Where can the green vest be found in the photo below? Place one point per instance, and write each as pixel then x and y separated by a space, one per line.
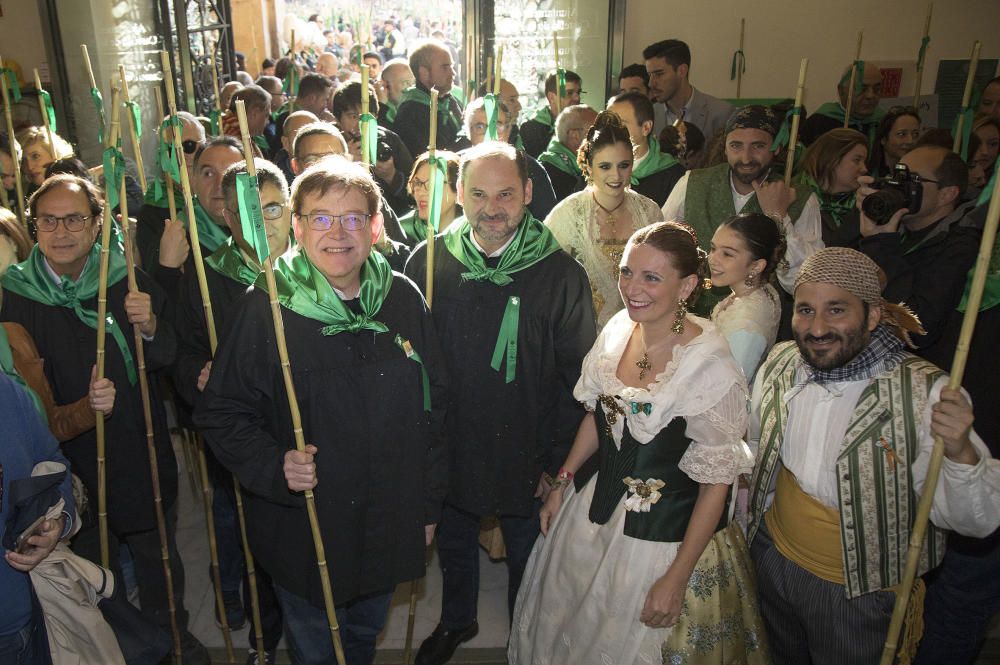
pixel 878 504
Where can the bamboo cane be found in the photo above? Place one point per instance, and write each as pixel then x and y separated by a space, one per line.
pixel 967 95
pixel 253 49
pixel 293 407
pixel 555 46
pixel 258 628
pixel 496 77
pixel 934 467
pixel 199 265
pixel 741 60
pixel 147 412
pixel 171 202
pixel 133 131
pixel 432 149
pixel 102 313
pixel 365 126
pixel 93 85
pixel 8 118
pixel 215 79
pixel 920 61
pixel 793 137
pixel 854 77
pixel 45 114
pixel 294 73
pixel 489 74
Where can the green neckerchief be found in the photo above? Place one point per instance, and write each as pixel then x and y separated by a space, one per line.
pixel 655 161
pixel 156 194
pixel 991 290
pixel 458 94
pixel 7 367
pixel 532 242
pixel 210 235
pixel 32 279
pixel 230 262
pixel 544 116
pixel 423 97
pixel 836 111
pixel 390 111
pixel 560 157
pixel 835 205
pixel 413 226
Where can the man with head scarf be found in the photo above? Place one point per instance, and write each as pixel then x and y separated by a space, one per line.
pixel 747 182
pixel 843 421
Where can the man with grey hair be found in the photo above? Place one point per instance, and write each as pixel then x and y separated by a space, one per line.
pixel 559 158
pixel 396 77
pixel 516 317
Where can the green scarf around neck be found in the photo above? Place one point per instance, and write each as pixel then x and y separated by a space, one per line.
pixel 655 161
pixel 7 367
pixel 544 116
pixel 423 97
pixel 229 262
pixel 413 226
pixel 210 235
pixel 33 280
pixel 560 157
pixel 156 194
pixel 532 242
pixel 835 205
pixel 867 125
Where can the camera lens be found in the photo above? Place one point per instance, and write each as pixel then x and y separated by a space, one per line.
pixel 883 204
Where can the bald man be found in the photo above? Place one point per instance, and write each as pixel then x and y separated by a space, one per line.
pixel 396 77
pixel 327 65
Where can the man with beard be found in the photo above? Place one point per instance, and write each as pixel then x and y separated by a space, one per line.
pixel 516 318
pixel 704 198
pixel 843 421
pixel 865 113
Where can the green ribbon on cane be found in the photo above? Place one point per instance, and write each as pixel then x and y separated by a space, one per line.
pixel 165 155
pixel 95 95
pixel 136 112
pixel 561 78
pixel 114 171
pixel 11 83
pixel 738 55
pixel 492 110
pixel 251 216
pixel 412 354
pixel 369 138
pixel 50 111
pixel 784 135
pixel 923 51
pixel 439 173
pixel 215 122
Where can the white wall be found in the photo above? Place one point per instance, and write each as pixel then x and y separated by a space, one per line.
pixel 22 39
pixel 779 34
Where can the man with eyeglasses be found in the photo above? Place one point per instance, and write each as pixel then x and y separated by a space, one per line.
pixel 53 294
pixel 559 158
pixel 474 132
pixel 516 319
pixel 865 113
pixel 369 378
pixel 536 132
pixel 231 270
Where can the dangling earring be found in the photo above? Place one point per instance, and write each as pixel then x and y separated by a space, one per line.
pixel 682 310
pixel 706 283
pixel 751 280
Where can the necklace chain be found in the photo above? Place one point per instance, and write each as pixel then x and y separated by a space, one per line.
pixel 609 213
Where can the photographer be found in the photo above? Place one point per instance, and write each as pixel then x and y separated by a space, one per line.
pixel 392 162
pixel 925 243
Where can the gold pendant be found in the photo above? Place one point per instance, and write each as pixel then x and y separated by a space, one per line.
pixel 644 365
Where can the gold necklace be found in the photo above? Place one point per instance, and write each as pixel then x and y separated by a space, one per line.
pixel 608 213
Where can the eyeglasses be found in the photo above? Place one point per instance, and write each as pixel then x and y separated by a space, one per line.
pixel 49 223
pixel 190 146
pixel 271 211
pixel 417 185
pixel 920 178
pixel 322 221
pixel 482 126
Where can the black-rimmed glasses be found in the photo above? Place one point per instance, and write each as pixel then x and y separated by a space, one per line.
pixel 49 223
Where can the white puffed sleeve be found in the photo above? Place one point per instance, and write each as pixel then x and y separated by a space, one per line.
pixel 717 454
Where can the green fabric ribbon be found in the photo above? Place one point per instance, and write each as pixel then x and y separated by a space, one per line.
pixel 859 78
pixel 390 111
pixel 738 55
pixel 136 112
pixel 215 122
pixel 784 135
pixel 95 95
pixel 922 52
pixel 561 79
pixel 156 194
pixel 968 115
pixel 532 242
pixel 412 354
pixel 421 96
pixel 50 111
pixel 438 175
pixel 261 142
pixel 544 116
pixel 210 235
pixel 369 138
pixel 303 289
pixel 413 226
pixel 641 407
pixel 655 161
pixel 114 171
pixel 7 367
pixel 492 110
pixel 228 261
pixel 166 156
pixel 991 291
pixel 11 83
pixel 251 216
pixel 32 279
pixel 290 86
pixel 836 205
pixel 836 111
pixel 560 157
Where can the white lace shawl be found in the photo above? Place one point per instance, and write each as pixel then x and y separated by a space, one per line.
pixel 702 383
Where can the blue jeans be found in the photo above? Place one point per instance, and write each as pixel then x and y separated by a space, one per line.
pixel 458 550
pixel 29 645
pixel 308 632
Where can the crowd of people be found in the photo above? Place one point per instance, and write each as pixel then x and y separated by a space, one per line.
pixel 572 358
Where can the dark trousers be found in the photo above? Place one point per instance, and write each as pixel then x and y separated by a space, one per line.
pixel 30 644
pixel 308 631
pixel 458 550
pixel 962 597
pixel 145 548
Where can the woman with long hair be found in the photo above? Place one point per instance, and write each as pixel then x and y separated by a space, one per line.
pixel 896 135
pixel 831 167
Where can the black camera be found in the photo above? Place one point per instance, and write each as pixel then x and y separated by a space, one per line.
pixel 383 151
pixel 900 190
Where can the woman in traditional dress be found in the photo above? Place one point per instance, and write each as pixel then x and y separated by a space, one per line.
pixel 642 564
pixel 594 225
pixel 414 223
pixel 745 251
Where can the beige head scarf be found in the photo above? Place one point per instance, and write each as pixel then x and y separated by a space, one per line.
pixel 857 274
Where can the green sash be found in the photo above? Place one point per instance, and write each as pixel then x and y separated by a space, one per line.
pixel 210 235
pixel 228 261
pixel 33 280
pixel 532 242
pixel 421 96
pixel 560 157
pixel 7 367
pixel 655 161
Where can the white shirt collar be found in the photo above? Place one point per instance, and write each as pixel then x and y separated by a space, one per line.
pixel 56 277
pixel 475 243
pixel 739 200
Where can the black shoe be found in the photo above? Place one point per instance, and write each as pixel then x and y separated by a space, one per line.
pixel 253 659
pixel 440 645
pixel 236 616
pixel 193 652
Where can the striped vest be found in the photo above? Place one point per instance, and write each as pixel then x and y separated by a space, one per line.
pixel 877 499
